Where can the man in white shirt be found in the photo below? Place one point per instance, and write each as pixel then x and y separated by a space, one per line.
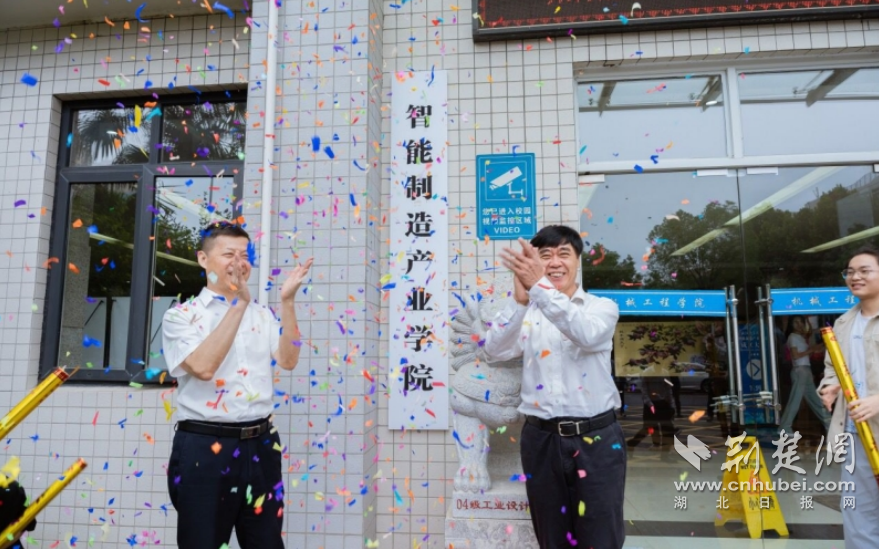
pixel 225 466
pixel 857 332
pixel 571 444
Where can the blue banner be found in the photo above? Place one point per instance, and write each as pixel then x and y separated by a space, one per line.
pixel 811 301
pixel 506 205
pixel 667 302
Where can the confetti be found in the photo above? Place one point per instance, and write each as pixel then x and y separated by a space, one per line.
pixel 29 80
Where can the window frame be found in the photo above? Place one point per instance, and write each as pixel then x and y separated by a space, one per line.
pixel 143 257
pixel 735 159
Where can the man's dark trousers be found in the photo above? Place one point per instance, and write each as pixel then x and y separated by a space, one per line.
pixel 561 472
pixel 214 492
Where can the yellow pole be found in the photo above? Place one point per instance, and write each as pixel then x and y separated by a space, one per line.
pixel 14 530
pixel 848 390
pixel 36 397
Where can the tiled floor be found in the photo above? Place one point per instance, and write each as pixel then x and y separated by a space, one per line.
pixel 655 522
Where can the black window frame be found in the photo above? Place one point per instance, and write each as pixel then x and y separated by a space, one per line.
pixel 144 176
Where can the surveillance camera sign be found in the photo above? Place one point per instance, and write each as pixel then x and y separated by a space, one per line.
pixel 505 201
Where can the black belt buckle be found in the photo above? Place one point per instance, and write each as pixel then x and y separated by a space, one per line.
pixel 561 424
pixel 250 432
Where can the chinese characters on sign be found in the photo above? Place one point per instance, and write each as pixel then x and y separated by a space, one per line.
pixel 811 301
pixel 667 302
pixel 419 256
pixel 494 505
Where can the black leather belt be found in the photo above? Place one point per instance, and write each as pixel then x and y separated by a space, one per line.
pixel 227 430
pixel 569 427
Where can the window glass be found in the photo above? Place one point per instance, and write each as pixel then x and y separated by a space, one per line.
pixel 649 120
pixel 97 285
pixel 685 237
pixel 204 131
pixel 801 224
pixel 806 112
pixel 103 137
pixel 185 206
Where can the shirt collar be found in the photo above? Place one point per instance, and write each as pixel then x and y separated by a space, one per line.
pixel 580 295
pixel 206 297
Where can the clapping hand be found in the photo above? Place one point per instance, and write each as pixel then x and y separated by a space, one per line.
pixel 294 281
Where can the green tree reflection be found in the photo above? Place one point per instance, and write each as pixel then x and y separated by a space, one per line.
pixel 605 269
pixel 774 246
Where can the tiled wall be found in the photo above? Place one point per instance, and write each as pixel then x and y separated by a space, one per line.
pixel 122 432
pixel 521 93
pixel 351 481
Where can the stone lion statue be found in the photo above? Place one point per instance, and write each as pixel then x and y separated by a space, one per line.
pixel 484 395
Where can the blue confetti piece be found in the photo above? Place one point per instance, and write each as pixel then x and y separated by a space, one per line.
pixel 639 169
pixel 624 20
pixel 219 6
pixel 582 150
pixel 138 11
pixel 359 167
pixel 329 152
pixel 315 143
pixel 29 79
pixel 458 438
pixel 655 158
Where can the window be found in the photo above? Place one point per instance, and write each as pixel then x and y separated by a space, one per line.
pixel 679 117
pixel 138 181
pixel 796 112
pixel 647 122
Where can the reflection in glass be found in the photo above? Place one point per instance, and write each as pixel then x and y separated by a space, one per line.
pixel 636 119
pixel 803 112
pixel 803 237
pixel 103 137
pixel 206 131
pixel 97 284
pixel 633 242
pixel 186 206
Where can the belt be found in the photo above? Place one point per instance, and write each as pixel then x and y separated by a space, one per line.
pixel 224 430
pixel 569 427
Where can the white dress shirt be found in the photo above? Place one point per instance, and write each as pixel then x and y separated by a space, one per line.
pixel 241 389
pixel 565 344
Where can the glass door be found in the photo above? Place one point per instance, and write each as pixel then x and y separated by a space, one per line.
pixel 670 246
pixel 800 226
pixel 767 239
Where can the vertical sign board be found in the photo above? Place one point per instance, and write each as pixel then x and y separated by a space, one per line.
pixel 505 201
pixel 418 373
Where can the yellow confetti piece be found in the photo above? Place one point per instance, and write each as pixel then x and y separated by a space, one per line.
pixel 9 472
pixel 588 440
pixel 582 509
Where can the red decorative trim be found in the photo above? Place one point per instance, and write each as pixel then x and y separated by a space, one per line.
pixel 725 7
